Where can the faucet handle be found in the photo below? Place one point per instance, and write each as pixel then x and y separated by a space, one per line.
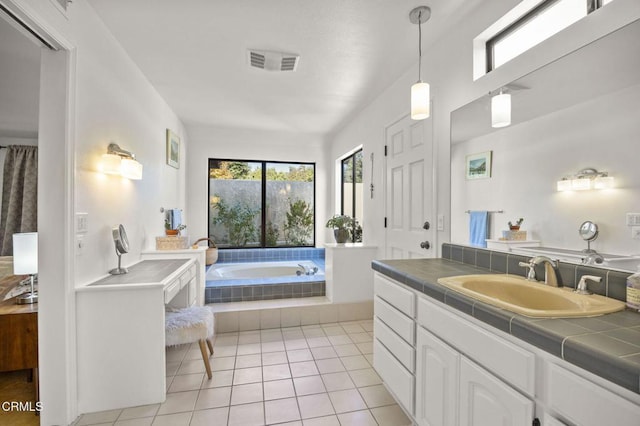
pixel 582 285
pixel 531 273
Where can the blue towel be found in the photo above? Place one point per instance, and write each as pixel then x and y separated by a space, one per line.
pixel 478 228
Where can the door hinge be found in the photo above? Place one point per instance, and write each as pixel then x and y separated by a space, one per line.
pixel 385 150
pixel 385 222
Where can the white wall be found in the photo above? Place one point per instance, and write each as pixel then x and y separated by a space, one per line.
pixel 529 158
pixel 109 100
pixel 215 142
pixel 447 66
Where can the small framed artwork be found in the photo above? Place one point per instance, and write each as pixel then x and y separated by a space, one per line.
pixel 173 149
pixel 479 165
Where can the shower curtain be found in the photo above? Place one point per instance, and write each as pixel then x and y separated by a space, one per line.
pixel 19 195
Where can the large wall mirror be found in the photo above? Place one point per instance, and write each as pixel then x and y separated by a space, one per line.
pixel 581 111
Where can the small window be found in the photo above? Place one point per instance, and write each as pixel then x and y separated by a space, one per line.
pixel 547 19
pixel 352 190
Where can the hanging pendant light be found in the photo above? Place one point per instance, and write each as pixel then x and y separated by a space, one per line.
pixel 501 110
pixel 420 95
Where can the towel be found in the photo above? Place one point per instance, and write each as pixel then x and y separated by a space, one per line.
pixel 175 218
pixel 478 228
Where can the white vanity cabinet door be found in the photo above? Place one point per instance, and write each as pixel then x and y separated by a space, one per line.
pixel 487 401
pixel 436 381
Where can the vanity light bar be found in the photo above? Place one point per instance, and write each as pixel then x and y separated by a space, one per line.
pixel 585 180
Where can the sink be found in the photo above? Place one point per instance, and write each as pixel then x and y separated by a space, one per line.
pixel 532 299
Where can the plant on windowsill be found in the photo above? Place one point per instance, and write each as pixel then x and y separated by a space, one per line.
pixel 342 227
pixel 172 232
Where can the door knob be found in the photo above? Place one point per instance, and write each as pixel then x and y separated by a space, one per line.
pixel 426 225
pixel 425 245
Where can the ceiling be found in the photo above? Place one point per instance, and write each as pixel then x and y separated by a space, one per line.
pixel 195 54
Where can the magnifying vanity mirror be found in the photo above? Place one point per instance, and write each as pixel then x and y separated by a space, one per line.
pixel 122 246
pixel 588 231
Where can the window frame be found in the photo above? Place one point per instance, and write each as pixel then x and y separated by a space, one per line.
pixel 263 196
pixel 592 5
pixel 351 156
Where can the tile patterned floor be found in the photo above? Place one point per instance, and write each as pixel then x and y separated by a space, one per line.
pixel 317 375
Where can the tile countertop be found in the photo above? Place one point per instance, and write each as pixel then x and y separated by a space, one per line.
pixel 143 272
pixel 607 345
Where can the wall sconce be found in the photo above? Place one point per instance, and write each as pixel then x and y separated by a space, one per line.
pixel 118 161
pixel 501 109
pixel 420 91
pixel 586 179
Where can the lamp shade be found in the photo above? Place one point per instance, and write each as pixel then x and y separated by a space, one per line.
pixel 420 101
pixel 501 110
pixel 25 253
pixel 110 164
pixel 131 169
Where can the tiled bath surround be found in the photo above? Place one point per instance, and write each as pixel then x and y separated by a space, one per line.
pixel 613 282
pixel 259 289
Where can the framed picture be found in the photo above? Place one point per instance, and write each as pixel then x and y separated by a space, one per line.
pixel 479 165
pixel 173 149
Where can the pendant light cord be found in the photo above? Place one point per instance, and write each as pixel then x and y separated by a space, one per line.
pixel 420 46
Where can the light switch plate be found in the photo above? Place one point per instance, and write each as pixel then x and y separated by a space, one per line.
pixel 82 223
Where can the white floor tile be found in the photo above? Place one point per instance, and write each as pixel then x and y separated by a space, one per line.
pixel 301 369
pixel 144 421
pixel 341 339
pixel 247 375
pixel 213 398
pixel 249 348
pixel 357 418
pixel 281 410
pixel 186 382
pixel 218 379
pixel 178 402
pixel 139 412
pixel 247 415
pixel 322 421
pixel 222 351
pixel 353 328
pixel 324 352
pixel 246 361
pixel 356 362
pixel 245 394
pixel 334 330
pixel 315 405
pixel 366 377
pixel 225 363
pixel 181 419
pixel 308 385
pixel 278 389
pixel 330 365
pixel 276 372
pixel 316 342
pixel 191 367
pixel 360 337
pixel 296 344
pixel 347 350
pixel 214 416
pixel 347 400
pixel 391 415
pixel 338 381
pixel 299 355
pixel 376 396
pixel 99 417
pixel 272 358
pixel 273 346
pixel 365 348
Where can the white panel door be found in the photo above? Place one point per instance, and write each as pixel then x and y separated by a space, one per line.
pixel 486 400
pixel 409 189
pixel 436 381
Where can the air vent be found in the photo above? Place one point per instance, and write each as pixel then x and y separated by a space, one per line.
pixel 273 61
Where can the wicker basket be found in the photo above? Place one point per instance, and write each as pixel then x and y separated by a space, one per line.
pixel 212 251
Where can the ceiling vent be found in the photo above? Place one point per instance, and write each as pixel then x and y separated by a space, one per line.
pixel 273 61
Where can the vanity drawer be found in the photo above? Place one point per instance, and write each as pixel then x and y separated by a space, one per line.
pixel 394 294
pixel 397 379
pixel 188 275
pixel 404 352
pixel 505 359
pixel 396 320
pixel 171 290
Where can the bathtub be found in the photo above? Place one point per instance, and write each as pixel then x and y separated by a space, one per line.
pixel 247 271
pixel 239 282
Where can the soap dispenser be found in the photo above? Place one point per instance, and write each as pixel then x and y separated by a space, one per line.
pixel 633 291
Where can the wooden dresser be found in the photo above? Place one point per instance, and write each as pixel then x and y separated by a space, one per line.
pixel 18 331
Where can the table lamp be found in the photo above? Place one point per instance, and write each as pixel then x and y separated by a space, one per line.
pixel 25 262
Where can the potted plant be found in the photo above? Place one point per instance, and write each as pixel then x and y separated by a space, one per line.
pixel 516 226
pixel 172 232
pixel 342 226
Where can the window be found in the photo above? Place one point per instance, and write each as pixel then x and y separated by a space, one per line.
pixel 261 204
pixel 352 191
pixel 542 22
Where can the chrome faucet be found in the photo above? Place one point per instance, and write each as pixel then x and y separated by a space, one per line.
pixel 304 270
pixel 551 272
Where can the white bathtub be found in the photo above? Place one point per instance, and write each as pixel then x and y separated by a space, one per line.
pixel 239 271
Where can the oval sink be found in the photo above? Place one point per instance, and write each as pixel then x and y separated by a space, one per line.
pixel 532 299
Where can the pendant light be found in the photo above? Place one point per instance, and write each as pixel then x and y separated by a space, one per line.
pixel 501 110
pixel 420 95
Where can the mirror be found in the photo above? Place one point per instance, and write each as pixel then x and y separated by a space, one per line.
pixel 122 246
pixel 576 112
pixel 588 231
